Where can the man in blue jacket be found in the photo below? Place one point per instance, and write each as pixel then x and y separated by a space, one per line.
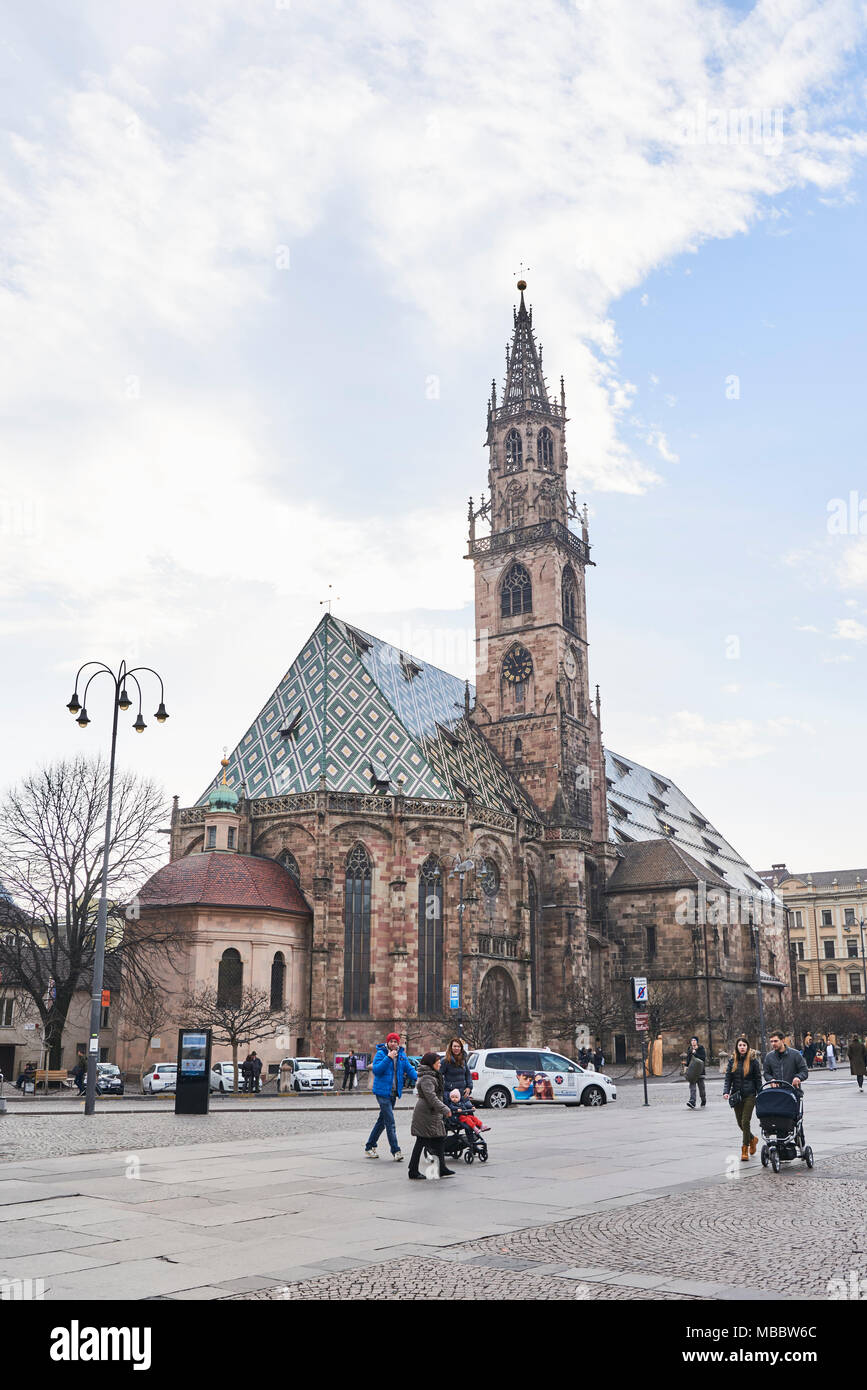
pixel 390 1069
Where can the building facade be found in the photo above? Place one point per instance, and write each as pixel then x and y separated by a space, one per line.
pixel 826 915
pixel 370 776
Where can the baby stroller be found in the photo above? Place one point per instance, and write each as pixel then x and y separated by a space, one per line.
pixel 780 1113
pixel 459 1145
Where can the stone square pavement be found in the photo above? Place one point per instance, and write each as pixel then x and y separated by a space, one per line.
pixel 619 1202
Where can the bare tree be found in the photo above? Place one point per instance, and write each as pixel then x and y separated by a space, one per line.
pixel 600 1008
pixel 238 1018
pixel 145 1013
pixel 52 828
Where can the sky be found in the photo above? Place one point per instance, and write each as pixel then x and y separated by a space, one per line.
pixel 258 269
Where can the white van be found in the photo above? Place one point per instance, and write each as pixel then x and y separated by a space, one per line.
pixel 519 1075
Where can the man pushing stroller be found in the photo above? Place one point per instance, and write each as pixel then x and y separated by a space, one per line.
pixel 784 1063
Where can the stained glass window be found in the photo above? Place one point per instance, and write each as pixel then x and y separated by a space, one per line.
pixel 290 864
pixel 430 937
pixel 278 981
pixel 230 979
pixel 356 941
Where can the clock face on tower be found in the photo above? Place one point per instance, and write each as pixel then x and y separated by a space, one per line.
pixel 518 666
pixel 569 665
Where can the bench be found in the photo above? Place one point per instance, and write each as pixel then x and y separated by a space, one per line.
pixel 58 1077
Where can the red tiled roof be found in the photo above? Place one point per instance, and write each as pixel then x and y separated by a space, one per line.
pixel 218 879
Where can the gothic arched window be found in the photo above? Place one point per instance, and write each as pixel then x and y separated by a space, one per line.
pixel 356 937
pixel 290 864
pixel 514 452
pixel 513 506
pixel 516 594
pixel 570 598
pixel 430 937
pixel 278 983
pixel 230 979
pixel 518 750
pixel 546 449
pixel 533 901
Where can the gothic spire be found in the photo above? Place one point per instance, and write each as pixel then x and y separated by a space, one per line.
pixel 525 384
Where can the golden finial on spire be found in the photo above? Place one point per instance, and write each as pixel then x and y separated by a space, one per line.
pixel 224 763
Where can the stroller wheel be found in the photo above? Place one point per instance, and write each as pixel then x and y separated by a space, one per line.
pixel 764 1155
pixel 808 1156
pixel 483 1157
pixel 468 1156
pixel 775 1160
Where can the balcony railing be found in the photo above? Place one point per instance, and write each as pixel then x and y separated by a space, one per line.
pixel 517 536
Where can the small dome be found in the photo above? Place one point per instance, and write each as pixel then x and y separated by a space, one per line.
pixel 223 798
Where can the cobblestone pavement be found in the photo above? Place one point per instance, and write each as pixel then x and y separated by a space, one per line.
pixel 50 1136
pixel 753 1236
pixel 423 1279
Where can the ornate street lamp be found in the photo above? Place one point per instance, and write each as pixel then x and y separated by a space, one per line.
pixel 121 702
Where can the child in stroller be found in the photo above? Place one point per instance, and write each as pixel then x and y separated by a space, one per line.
pixel 780 1113
pixel 464 1130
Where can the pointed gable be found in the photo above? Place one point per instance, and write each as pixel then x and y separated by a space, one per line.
pixel 385 709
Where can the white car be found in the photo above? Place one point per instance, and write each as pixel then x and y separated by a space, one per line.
pixel 224 1074
pixel 163 1076
pixel 308 1074
pixel 519 1075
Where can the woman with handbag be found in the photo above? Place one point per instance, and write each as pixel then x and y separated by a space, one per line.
pixel 743 1081
pixel 427 1118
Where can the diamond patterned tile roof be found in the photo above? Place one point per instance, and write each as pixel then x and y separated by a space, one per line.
pixel 380 708
pixel 644 805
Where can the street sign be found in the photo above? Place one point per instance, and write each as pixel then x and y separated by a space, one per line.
pixel 639 989
pixel 106 998
pixel 642 1023
pixel 454 997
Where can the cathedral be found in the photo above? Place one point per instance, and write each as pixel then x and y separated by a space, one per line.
pixel 392 847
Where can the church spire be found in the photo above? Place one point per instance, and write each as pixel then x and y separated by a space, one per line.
pixel 525 384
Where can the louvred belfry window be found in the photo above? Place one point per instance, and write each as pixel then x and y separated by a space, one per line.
pixel 356 936
pixel 514 452
pixel 516 594
pixel 546 449
pixel 570 599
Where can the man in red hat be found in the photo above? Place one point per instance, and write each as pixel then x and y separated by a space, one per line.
pixel 390 1069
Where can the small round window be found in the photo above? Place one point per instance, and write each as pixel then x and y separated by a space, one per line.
pixel 490 877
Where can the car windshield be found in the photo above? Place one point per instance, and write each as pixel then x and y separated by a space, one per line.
pixel 309 1064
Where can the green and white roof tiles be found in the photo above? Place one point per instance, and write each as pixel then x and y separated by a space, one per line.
pixel 384 708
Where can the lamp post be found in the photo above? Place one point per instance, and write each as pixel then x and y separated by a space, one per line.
pixel 121 702
pixel 460 869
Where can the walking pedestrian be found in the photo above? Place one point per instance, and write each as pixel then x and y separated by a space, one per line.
pixel 808 1049
pixel 79 1072
pixel 743 1081
pixel 830 1057
pixel 390 1069
pixel 858 1061
pixel 247 1072
pixel 783 1063
pixel 427 1118
pixel 598 1056
pixel 350 1071
pixel 696 1061
pixel 455 1069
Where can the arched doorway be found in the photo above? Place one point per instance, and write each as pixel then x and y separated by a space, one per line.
pixel 499 1017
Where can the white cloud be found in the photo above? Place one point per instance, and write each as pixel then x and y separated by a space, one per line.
pixel 686 739
pixel 850 630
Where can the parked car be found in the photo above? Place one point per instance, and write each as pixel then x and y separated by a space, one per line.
pixel 162 1076
pixel 109 1080
pixel 226 1072
pixel 309 1074
pixel 506 1076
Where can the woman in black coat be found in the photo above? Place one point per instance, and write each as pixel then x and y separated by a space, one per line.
pixel 742 1084
pixel 455 1070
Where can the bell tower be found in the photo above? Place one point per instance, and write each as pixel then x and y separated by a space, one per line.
pixel 532 681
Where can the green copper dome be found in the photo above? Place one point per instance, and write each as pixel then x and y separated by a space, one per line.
pixel 223 798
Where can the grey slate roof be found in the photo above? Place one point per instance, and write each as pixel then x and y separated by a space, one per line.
pixel 642 803
pixel 658 863
pixel 842 879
